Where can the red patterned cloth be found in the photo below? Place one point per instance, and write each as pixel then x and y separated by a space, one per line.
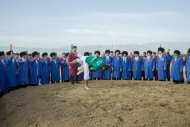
pixel 72 68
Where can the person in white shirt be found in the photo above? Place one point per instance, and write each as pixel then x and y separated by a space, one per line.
pixel 84 68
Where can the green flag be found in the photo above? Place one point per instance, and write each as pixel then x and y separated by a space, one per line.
pixel 95 64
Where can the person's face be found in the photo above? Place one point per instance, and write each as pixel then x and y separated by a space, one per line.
pixel 117 54
pixel 63 55
pixel 36 57
pixel 8 56
pixel 111 54
pixel 74 49
pixel 176 55
pixel 188 53
pixel 97 55
pixel 46 57
pixel 53 57
pixel 136 55
pixel 124 55
pixel 107 54
pixel 160 52
pixel 27 56
pixel 2 57
pixel 15 56
pixel 148 54
pixel 24 56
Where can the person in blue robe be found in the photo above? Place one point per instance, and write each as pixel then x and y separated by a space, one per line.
pixel 143 71
pixel 188 66
pixel 137 66
pixel 116 66
pixel 107 66
pixel 55 68
pixel 23 70
pixel 97 75
pixel 3 74
pixel 12 70
pixel 126 66
pixel 176 67
pixel 149 66
pixel 35 69
pixel 65 68
pixel 45 69
pixel 161 64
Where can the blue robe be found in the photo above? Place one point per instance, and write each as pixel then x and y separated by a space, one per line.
pixel 188 68
pixel 176 69
pixel 3 76
pixel 107 72
pixel 126 66
pixel 97 74
pixel 161 66
pixel 23 72
pixel 35 72
pixel 65 71
pixel 137 66
pixel 116 66
pixel 12 72
pixel 149 66
pixel 44 71
pixel 55 70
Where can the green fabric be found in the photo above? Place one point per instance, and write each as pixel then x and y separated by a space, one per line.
pixel 95 64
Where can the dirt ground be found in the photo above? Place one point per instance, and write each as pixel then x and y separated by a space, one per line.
pixel 105 104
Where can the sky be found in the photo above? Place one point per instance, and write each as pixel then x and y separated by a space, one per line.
pixel 56 23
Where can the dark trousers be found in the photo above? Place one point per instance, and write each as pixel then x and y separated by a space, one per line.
pixel 72 79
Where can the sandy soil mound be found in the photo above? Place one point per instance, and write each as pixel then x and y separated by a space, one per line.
pixel 106 104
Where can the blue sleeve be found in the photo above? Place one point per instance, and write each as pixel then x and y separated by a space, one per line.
pixel 40 65
pixel 186 63
pixel 156 63
pixel 112 63
pixel 20 61
pixel 120 64
pixel 165 62
pixel 181 65
pixel 169 56
pixel 65 63
pixel 9 60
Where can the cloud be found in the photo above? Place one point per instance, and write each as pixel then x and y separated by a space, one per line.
pixel 128 15
pixel 81 31
pixel 89 31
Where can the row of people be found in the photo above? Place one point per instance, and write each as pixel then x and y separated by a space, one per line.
pixel 21 70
